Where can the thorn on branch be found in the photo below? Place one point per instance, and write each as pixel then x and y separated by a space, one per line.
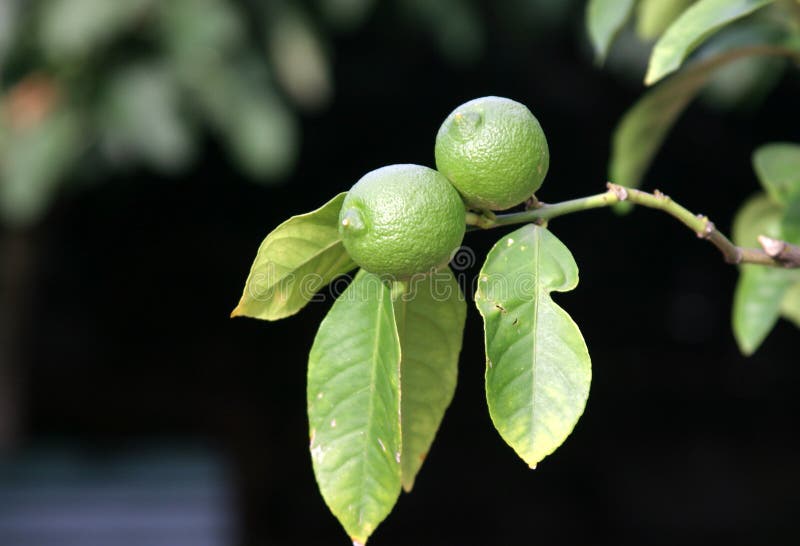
pixel 788 255
pixel 772 247
pixel 661 196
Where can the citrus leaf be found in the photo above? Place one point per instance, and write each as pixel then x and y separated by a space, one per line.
pixel 299 59
pixel 604 19
pixel 75 28
pixel 354 406
pixel 760 291
pixel 345 15
pixel 34 162
pixel 642 129
pixel 430 321
pixel 790 221
pixel 293 263
pixel 778 168
pixel 744 84
pixel 757 304
pixel 538 368
pixel 456 27
pixel 689 30
pixel 757 216
pixel 242 104
pixel 261 132
pixel 653 17
pixel 140 118
pixel 9 26
pixel 197 33
pixel 790 306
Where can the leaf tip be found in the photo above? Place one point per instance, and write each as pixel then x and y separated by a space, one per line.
pixel 746 348
pixel 599 59
pixel 747 344
pixel 533 460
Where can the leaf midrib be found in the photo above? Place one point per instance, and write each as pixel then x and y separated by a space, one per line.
pixel 313 257
pixel 537 264
pixel 371 408
pixel 404 361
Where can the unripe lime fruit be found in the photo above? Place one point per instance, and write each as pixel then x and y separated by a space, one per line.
pixel 401 220
pixel 494 152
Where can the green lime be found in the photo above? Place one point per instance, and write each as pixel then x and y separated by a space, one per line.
pixel 494 152
pixel 401 220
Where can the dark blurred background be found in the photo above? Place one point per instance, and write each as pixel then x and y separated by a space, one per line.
pixel 134 409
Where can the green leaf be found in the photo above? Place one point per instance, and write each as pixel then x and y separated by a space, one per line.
pixel 294 262
pixel 430 320
pixel 538 368
pixel 345 15
pixel 9 27
pixel 690 30
pixel 653 17
pixel 299 59
pixel 140 118
pixel 34 163
pixel 260 131
pixel 760 291
pixel 744 84
pixel 354 407
pixel 604 19
pixel 78 27
pixel 643 128
pixel 196 33
pixel 790 220
pixel 455 25
pixel 790 306
pixel 757 216
pixel 778 168
pixel 757 304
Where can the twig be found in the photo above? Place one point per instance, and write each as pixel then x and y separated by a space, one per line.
pixel 773 253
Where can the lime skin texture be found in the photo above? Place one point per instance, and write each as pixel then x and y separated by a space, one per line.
pixel 401 220
pixel 494 151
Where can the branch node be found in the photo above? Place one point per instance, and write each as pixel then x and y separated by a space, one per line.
pixel 735 257
pixel 661 196
pixel 708 227
pixel 532 203
pixel 619 191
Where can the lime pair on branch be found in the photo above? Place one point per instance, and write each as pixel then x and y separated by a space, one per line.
pixel 400 220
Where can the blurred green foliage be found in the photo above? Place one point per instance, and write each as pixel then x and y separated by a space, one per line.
pixel 99 85
pixel 117 83
pixel 102 85
pixel 740 58
pixel 733 53
pixel 125 82
pixel 96 86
